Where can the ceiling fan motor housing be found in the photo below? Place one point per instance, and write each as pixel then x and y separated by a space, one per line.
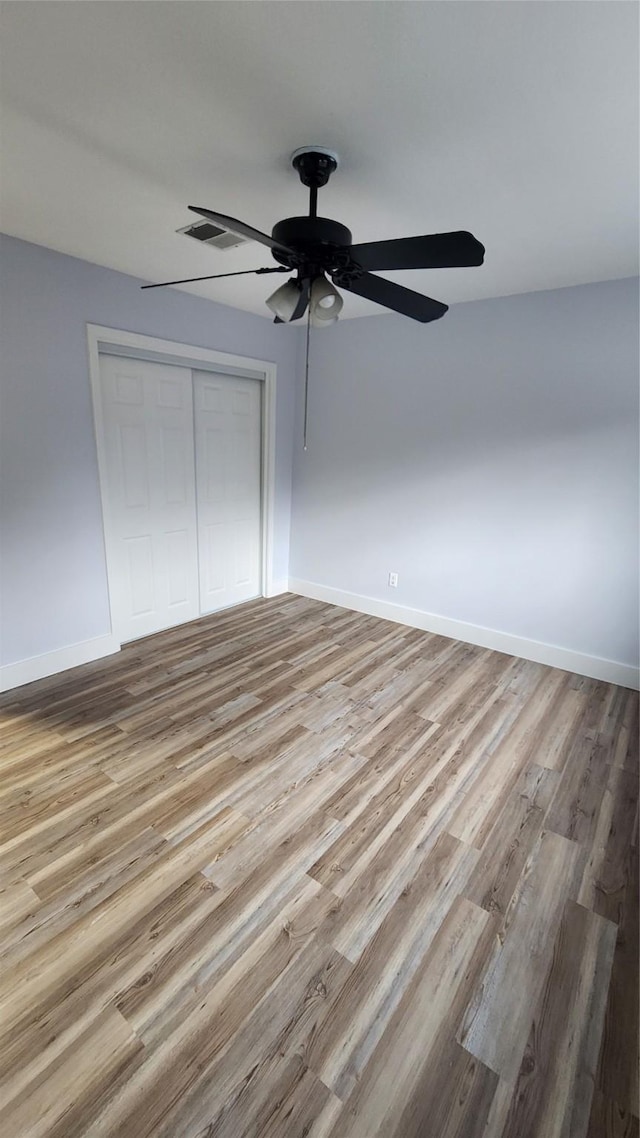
pixel 314 241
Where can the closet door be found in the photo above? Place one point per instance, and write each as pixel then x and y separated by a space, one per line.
pixel 228 487
pixel 152 531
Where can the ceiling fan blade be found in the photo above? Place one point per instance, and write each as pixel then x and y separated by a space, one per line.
pixel 217 276
pixel 239 227
pixel 433 251
pixel 400 299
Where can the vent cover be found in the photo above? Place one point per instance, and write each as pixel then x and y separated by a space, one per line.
pixel 208 234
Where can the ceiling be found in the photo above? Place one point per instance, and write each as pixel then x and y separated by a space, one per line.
pixel 517 121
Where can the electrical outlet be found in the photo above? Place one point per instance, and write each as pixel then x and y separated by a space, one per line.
pixel 393 580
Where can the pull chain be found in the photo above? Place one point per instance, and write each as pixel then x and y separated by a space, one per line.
pixel 306 378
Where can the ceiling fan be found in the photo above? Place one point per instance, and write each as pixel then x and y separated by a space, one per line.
pixel 316 248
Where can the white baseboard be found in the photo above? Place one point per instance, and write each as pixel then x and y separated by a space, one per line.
pixel 276 588
pixel 50 663
pixel 597 668
pixel 611 671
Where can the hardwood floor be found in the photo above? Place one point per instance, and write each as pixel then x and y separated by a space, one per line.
pixel 291 870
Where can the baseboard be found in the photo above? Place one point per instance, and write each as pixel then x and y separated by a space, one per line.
pixel 50 663
pixel 611 671
pixel 597 668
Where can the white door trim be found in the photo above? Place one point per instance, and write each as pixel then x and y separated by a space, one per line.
pixel 117 341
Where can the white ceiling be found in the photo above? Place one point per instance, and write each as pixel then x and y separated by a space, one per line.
pixel 517 121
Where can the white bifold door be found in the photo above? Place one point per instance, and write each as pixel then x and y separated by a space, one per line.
pixel 183 494
pixel 228 488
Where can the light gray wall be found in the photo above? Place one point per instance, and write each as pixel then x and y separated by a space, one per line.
pixel 53 585
pixel 491 459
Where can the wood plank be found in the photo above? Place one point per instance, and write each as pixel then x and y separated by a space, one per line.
pixel 351 1027
pixel 391 1097
pixel 497 1022
pixel 609 1120
pixel 575 808
pixel 619 1066
pixel 510 842
pixel 553 1090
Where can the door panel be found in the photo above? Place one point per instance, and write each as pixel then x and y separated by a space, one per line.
pixel 134 464
pixel 228 481
pixel 139 582
pixel 173 465
pixel 178 567
pixel 148 429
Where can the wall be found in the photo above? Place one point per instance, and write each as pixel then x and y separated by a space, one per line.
pixel 491 460
pixel 53 585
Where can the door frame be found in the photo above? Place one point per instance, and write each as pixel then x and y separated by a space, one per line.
pixel 115 341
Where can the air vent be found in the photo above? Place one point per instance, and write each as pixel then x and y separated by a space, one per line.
pixel 208 234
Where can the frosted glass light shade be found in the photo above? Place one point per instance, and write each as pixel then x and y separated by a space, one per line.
pixel 284 300
pixel 326 302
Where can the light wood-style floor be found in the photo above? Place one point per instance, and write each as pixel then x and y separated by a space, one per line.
pixel 291 870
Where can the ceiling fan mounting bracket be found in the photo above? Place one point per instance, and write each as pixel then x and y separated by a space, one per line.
pixel 314 164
